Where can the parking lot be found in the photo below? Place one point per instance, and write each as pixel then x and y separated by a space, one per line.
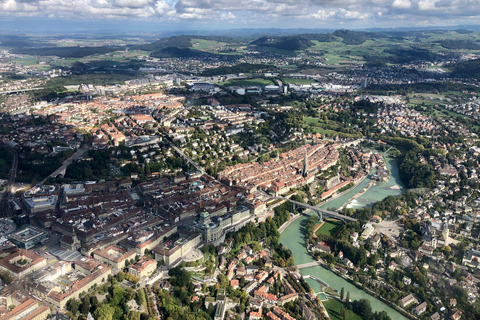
pixel 6 226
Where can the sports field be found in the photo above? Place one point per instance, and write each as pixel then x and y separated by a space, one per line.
pixel 328 227
pixel 247 82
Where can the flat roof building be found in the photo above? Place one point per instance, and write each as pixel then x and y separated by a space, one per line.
pixel 39 204
pixel 28 237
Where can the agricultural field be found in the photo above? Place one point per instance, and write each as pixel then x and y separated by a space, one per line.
pixel 329 227
pixel 206 45
pixel 333 307
pixel 247 82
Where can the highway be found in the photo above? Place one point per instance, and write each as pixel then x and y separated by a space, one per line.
pixel 5 211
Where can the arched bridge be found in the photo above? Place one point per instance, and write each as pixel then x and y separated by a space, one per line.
pixel 322 212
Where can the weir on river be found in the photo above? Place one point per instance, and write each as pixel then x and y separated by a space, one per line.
pixel 293 238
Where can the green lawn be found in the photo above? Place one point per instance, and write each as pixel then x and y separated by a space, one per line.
pixel 329 228
pixel 299 81
pixel 333 308
pixel 328 128
pixel 309 120
pixel 247 82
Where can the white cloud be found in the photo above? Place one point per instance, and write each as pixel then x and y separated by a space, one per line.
pixel 402 4
pixel 351 15
pixel 132 3
pixel 426 5
pixel 273 13
pixel 323 15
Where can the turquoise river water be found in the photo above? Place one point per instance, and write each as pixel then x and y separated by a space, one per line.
pixel 293 238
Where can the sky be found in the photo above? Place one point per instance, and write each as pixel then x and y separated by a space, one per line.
pixel 155 15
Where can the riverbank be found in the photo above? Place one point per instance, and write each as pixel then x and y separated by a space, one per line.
pixel 360 286
pixel 306 212
pixel 290 221
pixel 359 194
pixel 293 237
pixel 321 204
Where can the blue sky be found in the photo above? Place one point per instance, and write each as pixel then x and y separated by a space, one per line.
pixel 158 15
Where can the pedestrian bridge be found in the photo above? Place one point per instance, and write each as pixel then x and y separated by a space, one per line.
pixel 308 265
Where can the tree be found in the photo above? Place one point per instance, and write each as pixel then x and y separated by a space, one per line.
pixel 343 313
pixel 242 282
pixel 132 315
pixel 363 308
pixel 141 297
pixel 94 301
pixel 342 292
pixel 5 276
pixel 446 250
pixel 85 305
pixel 104 312
pixel 73 306
pixel 348 297
pixel 223 280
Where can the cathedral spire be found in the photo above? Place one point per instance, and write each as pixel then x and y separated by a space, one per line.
pixel 305 165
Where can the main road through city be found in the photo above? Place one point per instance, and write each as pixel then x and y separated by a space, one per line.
pixel 66 163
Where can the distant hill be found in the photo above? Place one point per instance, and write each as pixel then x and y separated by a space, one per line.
pixel 179 46
pixel 239 68
pixel 183 41
pixel 174 52
pixel 466 69
pixel 292 43
pixel 354 37
pixel 67 52
pixel 407 55
pixel 460 44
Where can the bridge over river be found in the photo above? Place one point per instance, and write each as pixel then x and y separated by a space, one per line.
pixel 308 265
pixel 322 212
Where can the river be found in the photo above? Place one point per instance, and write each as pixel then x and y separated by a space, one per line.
pixel 293 238
pixel 373 194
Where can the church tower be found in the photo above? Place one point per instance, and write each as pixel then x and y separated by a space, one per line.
pixel 305 166
pixel 445 232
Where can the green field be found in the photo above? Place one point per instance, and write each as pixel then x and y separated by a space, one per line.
pixel 246 82
pixel 207 45
pixel 330 127
pixel 288 66
pixel 329 228
pixel 333 308
pixel 310 120
pixel 299 81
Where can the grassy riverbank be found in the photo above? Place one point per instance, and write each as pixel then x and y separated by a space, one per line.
pixel 333 307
